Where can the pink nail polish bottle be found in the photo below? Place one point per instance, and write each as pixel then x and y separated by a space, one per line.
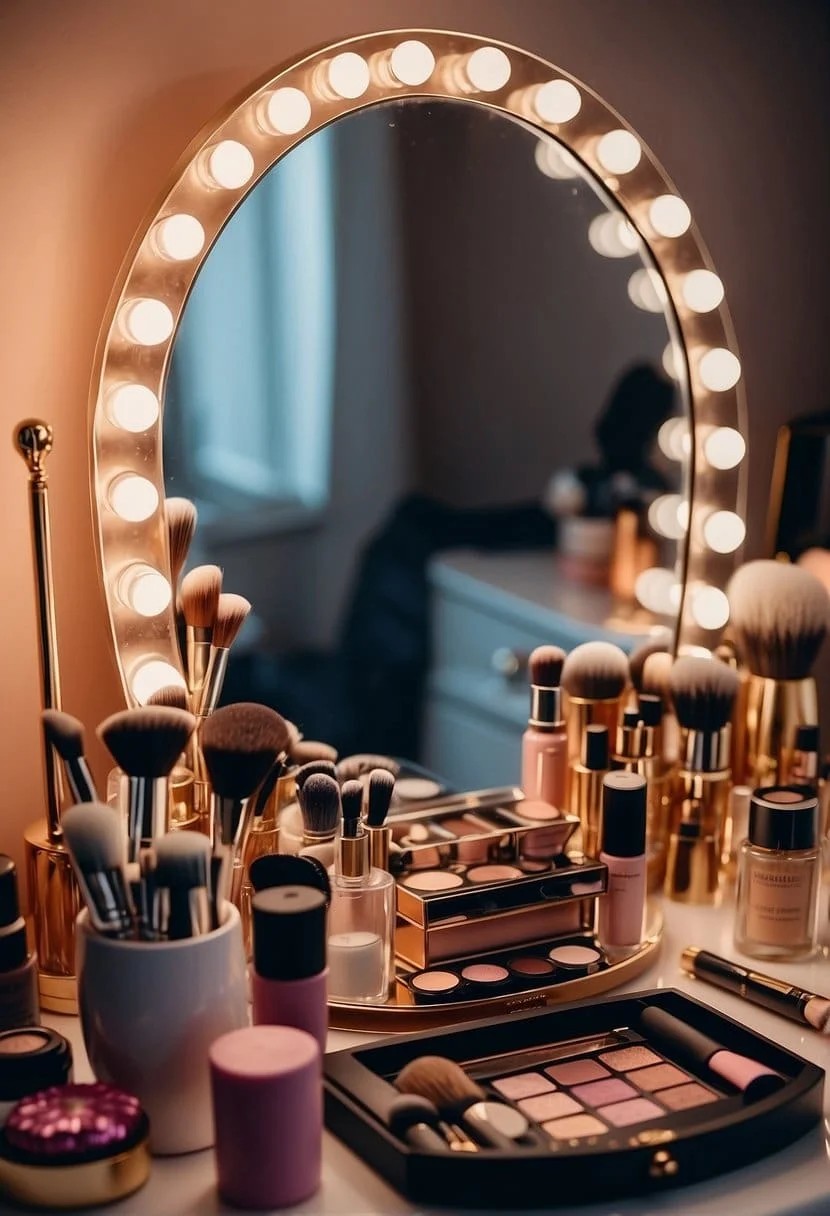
pixel 623 850
pixel 545 742
pixel 289 979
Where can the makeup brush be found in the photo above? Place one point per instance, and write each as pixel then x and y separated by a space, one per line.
pixel 321 808
pixel 779 618
pixel 703 693
pixel 353 767
pixel 201 588
pixel 459 1099
pixel 417 1121
pixel 145 744
pixel 94 835
pixel 594 676
pixel 312 768
pixel 182 906
pixel 307 751
pixel 172 696
pixel 66 735
pixel 378 801
pixel 180 518
pixel 231 613
pixel 659 644
pixel 545 742
pixel 797 1004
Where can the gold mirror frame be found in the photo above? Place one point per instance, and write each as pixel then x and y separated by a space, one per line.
pixel 215 175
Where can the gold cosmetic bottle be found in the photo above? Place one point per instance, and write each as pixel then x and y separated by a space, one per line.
pixel 774 711
pixel 586 786
pixel 698 816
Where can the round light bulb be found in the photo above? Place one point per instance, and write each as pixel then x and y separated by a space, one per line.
pixel 285 112
pixel 724 448
pixel 488 69
pixel 348 75
pixel 647 290
pixel 619 151
pixel 144 589
pixel 701 290
pixel 146 322
pixel 669 216
pixel 132 407
pixel 724 531
pixel 557 101
pixel 710 608
pixel 412 62
pixel 719 370
pixel 554 161
pixel 665 516
pixel 674 439
pixel 656 590
pixel 151 676
pixel 672 361
pixel 612 236
pixel 179 237
pixel 133 498
pixel 229 165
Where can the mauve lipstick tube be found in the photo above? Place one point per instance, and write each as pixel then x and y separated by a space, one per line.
pixel 289 980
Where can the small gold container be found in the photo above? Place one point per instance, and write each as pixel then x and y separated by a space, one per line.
pixel 55 902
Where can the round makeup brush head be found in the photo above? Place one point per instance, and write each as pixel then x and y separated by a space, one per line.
pixel 544 667
pixel 351 767
pixel 307 751
pixel 180 517
pixel 320 805
pixel 313 768
pixel 817 1013
pixel 231 614
pixel 595 671
pixel 172 696
pixel 147 742
pixel 351 798
pixel 408 1110
pixel 240 744
pixel 656 674
pixel 381 789
pixel 442 1082
pixel 779 617
pixel 703 692
pixel 182 860
pixel 658 644
pixel 201 588
pixel 64 733
pixel 94 834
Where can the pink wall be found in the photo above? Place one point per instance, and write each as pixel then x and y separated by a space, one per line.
pixel 97 100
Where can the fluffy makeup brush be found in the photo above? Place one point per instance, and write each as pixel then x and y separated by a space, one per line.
pixel 637 659
pixel 145 744
pixel 201 588
pixel 594 677
pixel 351 801
pixel 231 613
pixel 182 880
pixel 66 735
pixel 655 675
pixel 703 693
pixel 172 696
pixel 378 801
pixel 446 1085
pixel 321 808
pixel 352 767
pixel 306 751
pixel 94 836
pixel 544 667
pixel 313 767
pixel 180 518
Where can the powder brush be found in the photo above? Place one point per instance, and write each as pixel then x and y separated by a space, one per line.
pixel 231 613
pixel 200 591
pixel 544 666
pixel 312 767
pixel 180 518
pixel 307 751
pixel 353 767
pixel 66 735
pixel 172 696
pixel 594 676
pixel 321 807
pixel 145 744
pixel 462 1102
pixel 658 644
pixel 183 898
pixel 94 835
pixel 378 801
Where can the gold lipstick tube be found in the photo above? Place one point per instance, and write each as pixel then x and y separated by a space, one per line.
pixel 774 710
pixel 698 814
pixel 586 790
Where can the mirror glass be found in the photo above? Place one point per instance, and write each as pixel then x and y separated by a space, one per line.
pixel 416 396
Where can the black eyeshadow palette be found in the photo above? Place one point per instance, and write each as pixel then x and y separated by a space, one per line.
pixel 595 1100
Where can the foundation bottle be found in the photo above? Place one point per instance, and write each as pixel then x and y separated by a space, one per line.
pixel 778 875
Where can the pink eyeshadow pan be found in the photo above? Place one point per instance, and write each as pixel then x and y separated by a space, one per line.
pixel 524 1085
pixel 684 1097
pixel 575 1128
pixel 659 1076
pixel 600 1092
pixel 623 1114
pixel 549 1106
pixel 577 1072
pixel 626 1058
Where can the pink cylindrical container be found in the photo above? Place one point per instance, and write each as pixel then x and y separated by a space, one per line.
pixel 268 1115
pixel 623 850
pixel 289 979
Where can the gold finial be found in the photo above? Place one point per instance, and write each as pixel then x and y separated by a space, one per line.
pixel 33 439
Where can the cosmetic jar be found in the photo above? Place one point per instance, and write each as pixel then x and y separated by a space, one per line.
pixel 268 1113
pixel 31 1058
pixel 18 968
pixel 289 980
pixel 74 1146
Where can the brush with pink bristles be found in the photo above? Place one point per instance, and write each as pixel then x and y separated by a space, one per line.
pixel 231 613
pixel 200 593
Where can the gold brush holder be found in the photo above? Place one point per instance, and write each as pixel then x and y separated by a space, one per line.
pixel 263 839
pixel 774 711
pixel 56 903
pixel 699 817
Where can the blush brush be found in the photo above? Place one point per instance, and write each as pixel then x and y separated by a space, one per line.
pixel 231 613
pixel 180 518
pixel 460 1101
pixel 201 588
pixel 66 735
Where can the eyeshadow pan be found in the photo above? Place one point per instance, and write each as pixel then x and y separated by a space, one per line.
pixel 658 1076
pixel 485 973
pixel 536 811
pixel 433 880
pixel 493 873
pixel 623 1059
pixel 523 1085
pixel 600 1092
pixel 529 964
pixel 435 981
pixel 575 958
pixel 623 1114
pixel 575 1128
pixel 549 1106
pixel 684 1097
pixel 577 1072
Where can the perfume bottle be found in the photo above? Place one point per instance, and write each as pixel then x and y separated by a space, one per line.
pixel 778 874
pixel 361 921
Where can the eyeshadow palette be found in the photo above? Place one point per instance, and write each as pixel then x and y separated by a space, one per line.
pixel 594 1100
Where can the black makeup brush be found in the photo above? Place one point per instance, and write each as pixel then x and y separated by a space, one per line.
pixel 378 801
pixel 180 518
pixel 312 768
pixel 200 592
pixel 417 1121
pixel 146 743
pixel 351 801
pixel 231 614
pixel 459 1099
pixel 172 696
pixel 351 768
pixel 310 751
pixel 285 870
pixel 780 615
pixel 321 808
pixel 94 836
pixel 66 735
pixel 269 784
pixel 182 906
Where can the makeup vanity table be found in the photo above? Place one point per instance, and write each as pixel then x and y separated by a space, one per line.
pixel 794 1182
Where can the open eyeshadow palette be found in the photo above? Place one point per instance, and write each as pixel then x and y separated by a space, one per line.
pixel 594 1100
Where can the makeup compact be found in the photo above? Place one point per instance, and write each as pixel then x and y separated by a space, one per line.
pixel 606 1098
pixel 31 1058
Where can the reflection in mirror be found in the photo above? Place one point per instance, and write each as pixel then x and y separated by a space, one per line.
pixel 416 395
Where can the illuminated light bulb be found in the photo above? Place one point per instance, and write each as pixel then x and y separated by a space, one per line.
pixel 612 236
pixel 144 589
pixel 724 448
pixel 647 290
pixel 710 608
pixel 719 370
pixel 133 498
pixel 656 589
pixel 151 676
pixel 284 112
pixel 557 101
pixel 488 69
pixel 348 75
pixel 619 151
pixel 724 531
pixel 412 62
pixel 229 165
pixel 683 514
pixel 664 516
pixel 701 290
pixel 669 216
pixel 673 362
pixel 132 407
pixel 146 322
pixel 554 161
pixel 674 438
pixel 178 237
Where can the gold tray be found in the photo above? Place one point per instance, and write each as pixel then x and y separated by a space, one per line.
pixel 400 1014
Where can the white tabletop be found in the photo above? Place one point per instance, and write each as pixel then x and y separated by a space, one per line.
pixel 793 1182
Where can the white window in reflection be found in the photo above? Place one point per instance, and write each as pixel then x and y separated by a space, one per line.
pixel 248 417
